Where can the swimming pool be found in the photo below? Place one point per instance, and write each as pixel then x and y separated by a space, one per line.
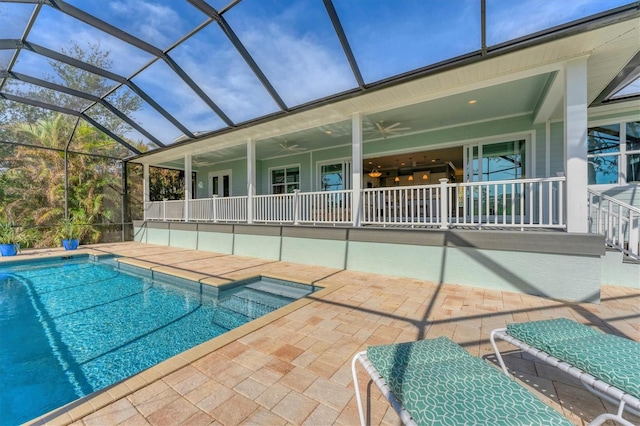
pixel 74 326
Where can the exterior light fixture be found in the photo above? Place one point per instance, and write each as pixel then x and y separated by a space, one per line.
pixel 397 179
pixel 425 176
pixel 410 177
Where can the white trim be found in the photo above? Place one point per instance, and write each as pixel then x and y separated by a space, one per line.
pixel 614 120
pixel 220 173
pixel 616 108
pixel 552 99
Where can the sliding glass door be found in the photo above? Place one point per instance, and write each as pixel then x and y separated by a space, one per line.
pixel 494 162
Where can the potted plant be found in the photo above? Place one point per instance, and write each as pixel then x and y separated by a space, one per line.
pixel 69 233
pixel 8 239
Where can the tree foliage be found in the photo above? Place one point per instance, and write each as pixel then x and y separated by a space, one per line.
pixel 32 168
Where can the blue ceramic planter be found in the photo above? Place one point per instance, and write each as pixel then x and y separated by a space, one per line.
pixel 70 244
pixel 8 249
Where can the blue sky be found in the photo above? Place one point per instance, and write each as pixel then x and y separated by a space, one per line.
pixel 292 41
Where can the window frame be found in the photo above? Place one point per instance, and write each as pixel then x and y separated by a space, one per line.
pixel 286 184
pixel 347 170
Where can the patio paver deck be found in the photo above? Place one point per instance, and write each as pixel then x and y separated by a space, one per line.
pixel 296 369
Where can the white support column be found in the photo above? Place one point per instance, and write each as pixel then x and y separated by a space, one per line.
pixel 145 189
pixel 145 183
pixel 251 177
pixel 187 185
pixel 356 168
pixel 575 145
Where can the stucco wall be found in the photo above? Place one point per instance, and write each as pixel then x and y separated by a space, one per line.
pixel 556 265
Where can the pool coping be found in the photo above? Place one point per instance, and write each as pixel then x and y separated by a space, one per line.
pixel 88 404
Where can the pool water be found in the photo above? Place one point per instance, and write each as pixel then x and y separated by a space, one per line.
pixel 71 328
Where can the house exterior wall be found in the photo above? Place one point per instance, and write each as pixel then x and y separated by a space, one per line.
pixel 307 161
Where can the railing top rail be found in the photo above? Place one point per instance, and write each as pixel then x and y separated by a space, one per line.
pixel 614 201
pixel 510 181
pixel 274 195
pixel 236 197
pixel 400 188
pixel 328 193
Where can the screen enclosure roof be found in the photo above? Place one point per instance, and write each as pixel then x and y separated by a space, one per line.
pixel 172 72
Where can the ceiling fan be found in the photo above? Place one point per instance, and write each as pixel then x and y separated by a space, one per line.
pixel 291 148
pixel 384 131
pixel 206 161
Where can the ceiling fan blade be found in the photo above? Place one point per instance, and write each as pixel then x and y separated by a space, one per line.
pixel 393 125
pixel 379 126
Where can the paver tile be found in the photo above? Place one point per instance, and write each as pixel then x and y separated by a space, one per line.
pixel 296 369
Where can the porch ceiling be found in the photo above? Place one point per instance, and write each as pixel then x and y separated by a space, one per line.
pixel 515 83
pixel 491 102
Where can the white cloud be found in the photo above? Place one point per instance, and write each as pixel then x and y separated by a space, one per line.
pixel 213 63
pixel 301 68
pixel 157 24
pixel 507 20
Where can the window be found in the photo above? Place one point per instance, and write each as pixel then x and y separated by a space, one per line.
pixel 285 180
pixel 632 149
pixel 614 153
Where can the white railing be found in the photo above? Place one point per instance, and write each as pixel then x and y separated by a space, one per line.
pixel 167 210
pixel 517 203
pixel 618 222
pixel 201 209
pixel 215 209
pixel 325 207
pixel 230 209
pixel 522 203
pixel 277 208
pixel 415 205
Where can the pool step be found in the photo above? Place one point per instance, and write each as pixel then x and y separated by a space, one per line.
pixel 279 289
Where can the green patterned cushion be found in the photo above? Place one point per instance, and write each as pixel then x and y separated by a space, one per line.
pixel 540 334
pixel 447 386
pixel 389 358
pixel 612 359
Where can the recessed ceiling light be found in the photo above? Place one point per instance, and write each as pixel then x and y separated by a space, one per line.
pixel 472 101
pixel 402 164
pixel 370 162
pixel 328 132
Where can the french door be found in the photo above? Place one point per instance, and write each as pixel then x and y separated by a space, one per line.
pixel 220 183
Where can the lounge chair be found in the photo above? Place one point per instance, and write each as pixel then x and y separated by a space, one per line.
pixel 437 382
pixel 607 365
